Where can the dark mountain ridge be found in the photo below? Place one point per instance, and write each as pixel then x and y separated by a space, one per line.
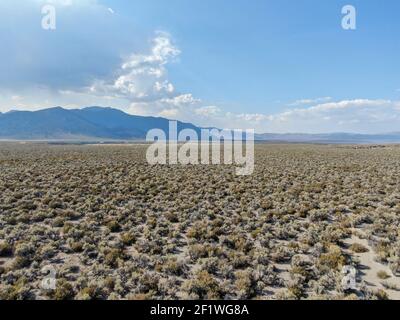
pixel 88 123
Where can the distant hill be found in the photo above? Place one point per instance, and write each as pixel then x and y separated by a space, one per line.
pixel 98 123
pixel 80 124
pixel 330 138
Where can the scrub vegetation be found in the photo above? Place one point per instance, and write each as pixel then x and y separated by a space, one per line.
pixel 115 227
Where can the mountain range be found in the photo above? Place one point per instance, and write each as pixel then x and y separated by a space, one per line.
pixel 99 123
pixel 90 123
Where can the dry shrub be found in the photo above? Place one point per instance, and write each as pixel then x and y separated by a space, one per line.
pixel 203 286
pixel 332 260
pixel 358 248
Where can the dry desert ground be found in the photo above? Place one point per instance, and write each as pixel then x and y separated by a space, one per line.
pixel 114 227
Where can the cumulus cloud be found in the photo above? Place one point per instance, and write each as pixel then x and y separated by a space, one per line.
pixel 142 80
pixel 180 105
pixel 143 77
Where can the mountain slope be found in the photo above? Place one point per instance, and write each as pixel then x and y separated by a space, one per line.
pixel 87 123
pixel 54 123
pixel 124 125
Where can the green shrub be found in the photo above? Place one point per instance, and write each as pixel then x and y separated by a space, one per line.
pixel 358 248
pixel 333 259
pixel 64 291
pixel 114 226
pixel 76 246
pixel 172 217
pixel 204 286
pixel 381 294
pixel 128 238
pixel 109 283
pixel 18 291
pixel 112 257
pixel 382 275
pixel 58 222
pixel 21 262
pixel 91 292
pixel 245 284
pixel 6 249
pixel 173 267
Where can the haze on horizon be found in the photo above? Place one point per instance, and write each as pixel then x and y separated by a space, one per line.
pixel 275 66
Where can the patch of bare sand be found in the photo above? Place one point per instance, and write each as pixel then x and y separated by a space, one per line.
pixel 369 268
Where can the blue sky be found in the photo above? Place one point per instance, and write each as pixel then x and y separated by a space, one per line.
pixel 271 65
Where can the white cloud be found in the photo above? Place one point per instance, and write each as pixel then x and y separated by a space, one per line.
pixel 253 117
pixel 181 100
pixel 357 115
pixel 344 105
pixel 208 111
pixel 180 107
pixel 16 98
pixel 309 101
pixel 142 80
pixel 143 77
pixel 170 113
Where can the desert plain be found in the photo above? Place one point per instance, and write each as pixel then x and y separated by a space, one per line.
pixel 114 227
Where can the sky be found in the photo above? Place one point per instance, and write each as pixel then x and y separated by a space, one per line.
pixel 269 65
